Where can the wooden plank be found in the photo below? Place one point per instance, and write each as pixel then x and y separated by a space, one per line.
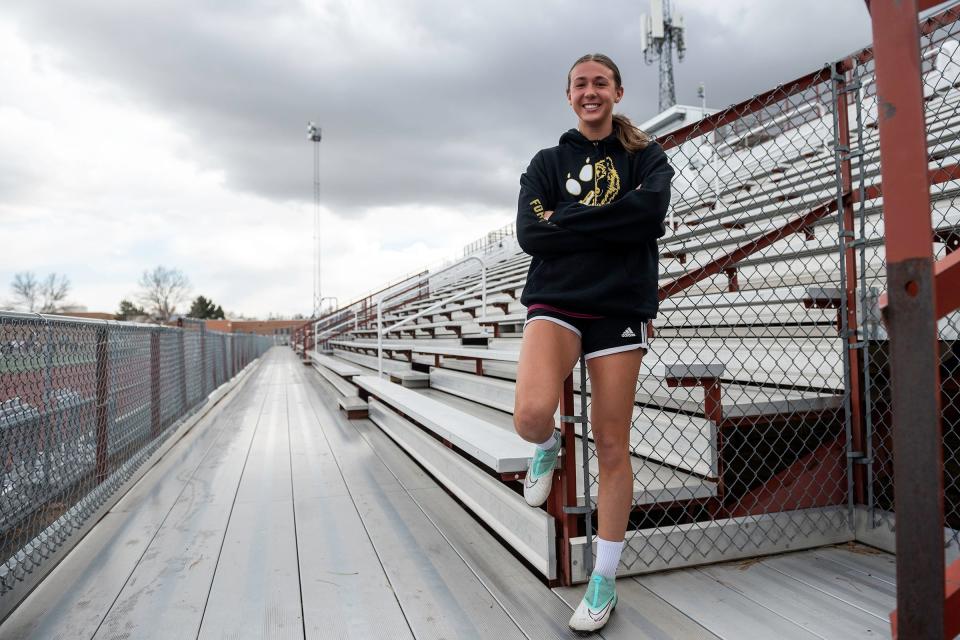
pixel 500 451
pixel 346 593
pixel 529 602
pixel 529 531
pixel 721 609
pixel 440 595
pixel 314 469
pixel 168 589
pixel 532 606
pixel 798 600
pixel 266 476
pixel 75 598
pixel 256 591
pixel 868 561
pixel 339 367
pixel 344 387
pixel 641 615
pixel 851 586
pixel 256 587
pixel 361 469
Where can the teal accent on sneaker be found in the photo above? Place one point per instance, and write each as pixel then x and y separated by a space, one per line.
pixel 544 460
pixel 600 591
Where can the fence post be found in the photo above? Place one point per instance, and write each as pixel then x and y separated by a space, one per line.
pixel 155 426
pixel 102 391
pixel 848 240
pixel 203 359
pixel 911 321
pixel 223 346
pixel 183 368
pixel 563 495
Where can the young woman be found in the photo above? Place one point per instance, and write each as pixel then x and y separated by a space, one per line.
pixel 590 212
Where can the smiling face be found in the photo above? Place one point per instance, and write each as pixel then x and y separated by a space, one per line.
pixel 592 91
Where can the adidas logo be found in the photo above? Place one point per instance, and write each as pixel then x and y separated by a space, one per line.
pixel 628 333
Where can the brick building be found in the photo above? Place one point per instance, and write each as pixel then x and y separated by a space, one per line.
pixel 279 330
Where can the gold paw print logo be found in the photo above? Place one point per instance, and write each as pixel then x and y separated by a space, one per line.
pixel 600 179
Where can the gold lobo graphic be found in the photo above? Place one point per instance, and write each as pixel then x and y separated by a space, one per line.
pixel 606 182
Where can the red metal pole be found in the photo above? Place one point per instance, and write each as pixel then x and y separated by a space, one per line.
pixel 203 360
pixel 917 439
pixel 102 390
pixel 155 426
pixel 564 492
pixel 223 347
pixel 850 285
pixel 183 369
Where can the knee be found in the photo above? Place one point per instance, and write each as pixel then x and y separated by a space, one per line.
pixel 612 452
pixel 533 422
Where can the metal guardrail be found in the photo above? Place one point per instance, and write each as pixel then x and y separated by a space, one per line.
pixel 483 305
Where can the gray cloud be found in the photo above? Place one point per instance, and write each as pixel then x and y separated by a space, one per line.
pixel 422 102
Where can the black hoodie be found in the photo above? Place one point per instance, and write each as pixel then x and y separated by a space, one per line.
pixel 598 251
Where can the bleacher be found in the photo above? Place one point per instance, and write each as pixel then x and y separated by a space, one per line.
pixel 739 415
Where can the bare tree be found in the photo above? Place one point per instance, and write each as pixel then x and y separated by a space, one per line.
pixel 161 290
pixel 53 292
pixel 26 290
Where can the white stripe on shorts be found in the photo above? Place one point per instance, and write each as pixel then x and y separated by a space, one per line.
pixel 556 320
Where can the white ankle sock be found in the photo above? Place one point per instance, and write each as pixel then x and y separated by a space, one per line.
pixel 608 557
pixel 549 444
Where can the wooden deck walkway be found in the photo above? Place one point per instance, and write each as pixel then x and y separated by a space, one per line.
pixel 277 518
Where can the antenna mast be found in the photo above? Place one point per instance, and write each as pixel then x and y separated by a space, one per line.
pixel 659 36
pixel 315 134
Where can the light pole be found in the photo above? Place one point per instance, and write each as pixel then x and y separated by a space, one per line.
pixel 315 134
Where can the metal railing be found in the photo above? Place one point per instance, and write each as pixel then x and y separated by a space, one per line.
pixel 482 286
pixel 83 404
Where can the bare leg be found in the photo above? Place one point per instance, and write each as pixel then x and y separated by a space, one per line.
pixel 547 355
pixel 614 385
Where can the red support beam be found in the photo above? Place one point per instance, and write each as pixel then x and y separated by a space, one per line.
pixel 102 398
pixel 917 438
pixel 870 192
pixel 854 357
pixel 563 493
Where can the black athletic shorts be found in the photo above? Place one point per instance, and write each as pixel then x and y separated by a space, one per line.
pixel 598 336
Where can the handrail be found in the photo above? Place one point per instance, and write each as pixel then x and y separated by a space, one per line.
pixel 317 334
pixel 483 307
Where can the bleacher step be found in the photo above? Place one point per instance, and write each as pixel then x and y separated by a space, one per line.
pixel 353 406
pixel 500 451
pixel 410 379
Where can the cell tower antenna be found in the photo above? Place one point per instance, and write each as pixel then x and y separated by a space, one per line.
pixel 314 135
pixel 659 35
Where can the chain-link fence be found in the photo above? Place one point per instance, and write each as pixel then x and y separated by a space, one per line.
pixel 761 420
pixel 82 405
pixel 940 72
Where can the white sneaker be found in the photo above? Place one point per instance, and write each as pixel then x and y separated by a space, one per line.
pixel 598 603
pixel 536 485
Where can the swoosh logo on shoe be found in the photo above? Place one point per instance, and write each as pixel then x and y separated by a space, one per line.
pixel 600 613
pixel 528 483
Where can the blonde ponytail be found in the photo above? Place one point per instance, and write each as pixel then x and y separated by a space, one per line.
pixel 632 138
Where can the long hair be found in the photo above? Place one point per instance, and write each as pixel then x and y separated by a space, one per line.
pixel 632 138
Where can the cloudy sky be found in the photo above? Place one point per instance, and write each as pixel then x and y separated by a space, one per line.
pixel 136 134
